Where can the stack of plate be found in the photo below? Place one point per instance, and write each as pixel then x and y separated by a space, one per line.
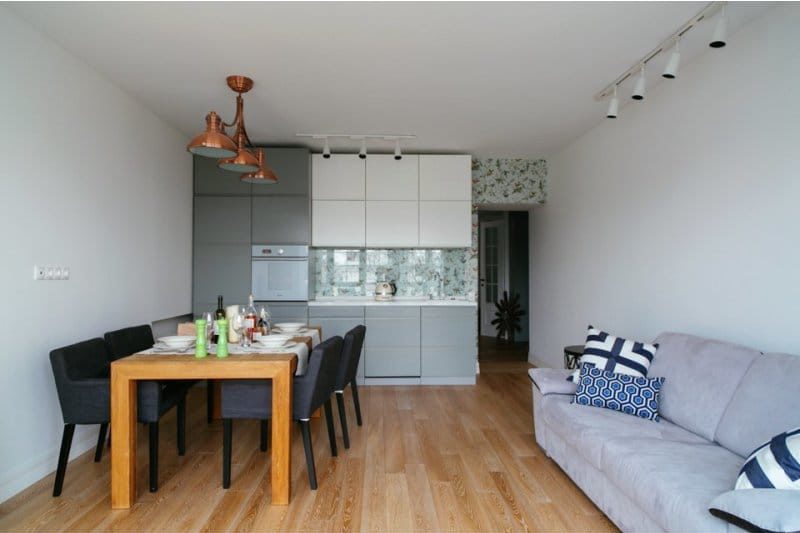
pixel 176 342
pixel 275 341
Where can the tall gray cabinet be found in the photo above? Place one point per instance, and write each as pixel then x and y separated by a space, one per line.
pixel 230 216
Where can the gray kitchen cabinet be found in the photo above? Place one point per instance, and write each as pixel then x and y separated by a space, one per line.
pixel 393 342
pixel 293 168
pixel 220 269
pixel 209 179
pixel 287 312
pixel 281 220
pixel 338 321
pixel 221 220
pixel 449 342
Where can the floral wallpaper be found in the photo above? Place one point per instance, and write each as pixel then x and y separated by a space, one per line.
pixel 509 181
pixel 417 272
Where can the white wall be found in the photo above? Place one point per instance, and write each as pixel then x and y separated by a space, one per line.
pixel 93 180
pixel 683 213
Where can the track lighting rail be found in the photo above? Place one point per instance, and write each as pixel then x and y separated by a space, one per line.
pixel 706 13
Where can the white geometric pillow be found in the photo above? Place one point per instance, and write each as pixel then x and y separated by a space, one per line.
pixel 775 465
pixel 615 354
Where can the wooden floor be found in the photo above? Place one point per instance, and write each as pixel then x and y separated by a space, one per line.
pixel 426 458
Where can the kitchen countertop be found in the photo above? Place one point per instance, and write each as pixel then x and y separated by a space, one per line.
pixel 397 301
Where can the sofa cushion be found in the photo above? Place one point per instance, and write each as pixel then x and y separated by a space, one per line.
pixel 615 354
pixel 701 378
pixel 759 509
pixel 673 482
pixel 765 404
pixel 589 428
pixel 774 465
pixel 631 395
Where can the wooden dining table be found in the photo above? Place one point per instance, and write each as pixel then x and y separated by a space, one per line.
pixel 126 372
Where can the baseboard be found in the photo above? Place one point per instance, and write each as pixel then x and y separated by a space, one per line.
pixel 391 381
pixel 29 472
pixel 535 361
pixel 448 381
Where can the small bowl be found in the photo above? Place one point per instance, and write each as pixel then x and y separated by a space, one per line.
pixel 177 341
pixel 274 340
pixel 290 327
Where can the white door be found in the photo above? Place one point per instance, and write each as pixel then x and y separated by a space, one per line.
pixel 392 224
pixel 445 224
pixel 337 223
pixel 392 179
pixel 492 271
pixel 340 177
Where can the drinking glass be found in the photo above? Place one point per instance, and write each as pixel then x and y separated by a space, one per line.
pixel 238 324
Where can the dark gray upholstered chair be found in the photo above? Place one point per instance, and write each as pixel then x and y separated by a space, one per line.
pixel 155 398
pixel 351 353
pixel 81 374
pixel 252 399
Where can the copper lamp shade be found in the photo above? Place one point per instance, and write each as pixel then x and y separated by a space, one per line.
pixel 244 161
pixel 264 175
pixel 213 142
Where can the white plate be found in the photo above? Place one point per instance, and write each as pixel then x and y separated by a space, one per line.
pixel 290 327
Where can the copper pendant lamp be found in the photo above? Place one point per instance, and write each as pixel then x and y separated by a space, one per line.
pixel 235 155
pixel 264 174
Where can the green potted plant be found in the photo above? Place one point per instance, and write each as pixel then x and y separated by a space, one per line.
pixel 508 316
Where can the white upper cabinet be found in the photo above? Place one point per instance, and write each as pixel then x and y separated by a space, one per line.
pixel 445 177
pixel 338 223
pixel 445 224
pixel 393 224
pixel 392 179
pixel 340 177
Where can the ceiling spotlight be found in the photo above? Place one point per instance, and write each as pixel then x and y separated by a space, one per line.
pixel 398 155
pixel 719 38
pixel 638 89
pixel 671 70
pixel 363 152
pixel 326 150
pixel 613 105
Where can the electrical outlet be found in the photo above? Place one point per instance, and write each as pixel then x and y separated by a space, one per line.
pixel 49 272
pixel 65 273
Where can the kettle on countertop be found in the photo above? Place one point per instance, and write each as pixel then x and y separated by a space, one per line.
pixel 385 291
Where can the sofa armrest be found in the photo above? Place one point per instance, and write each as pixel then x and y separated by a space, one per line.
pixel 552 381
pixel 759 509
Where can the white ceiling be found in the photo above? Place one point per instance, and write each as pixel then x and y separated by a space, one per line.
pixel 490 79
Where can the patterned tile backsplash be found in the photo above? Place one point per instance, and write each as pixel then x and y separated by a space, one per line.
pixel 450 272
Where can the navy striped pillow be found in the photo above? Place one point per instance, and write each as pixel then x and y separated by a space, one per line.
pixel 615 354
pixel 775 465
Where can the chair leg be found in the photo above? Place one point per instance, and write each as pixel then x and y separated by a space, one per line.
pixel 305 428
pixel 329 423
pixel 264 435
pixel 209 401
pixel 343 419
pixel 227 438
pixel 181 416
pixel 354 387
pixel 101 440
pixel 153 426
pixel 63 457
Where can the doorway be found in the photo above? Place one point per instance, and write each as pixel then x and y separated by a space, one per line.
pixel 502 268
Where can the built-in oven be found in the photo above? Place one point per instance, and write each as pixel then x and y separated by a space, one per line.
pixel 280 272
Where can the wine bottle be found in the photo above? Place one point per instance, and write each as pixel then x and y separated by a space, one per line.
pixel 250 319
pixel 219 314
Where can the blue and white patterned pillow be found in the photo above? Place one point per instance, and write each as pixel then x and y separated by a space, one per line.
pixel 615 354
pixel 628 394
pixel 775 465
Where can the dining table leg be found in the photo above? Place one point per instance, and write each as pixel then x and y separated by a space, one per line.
pixel 123 440
pixel 281 436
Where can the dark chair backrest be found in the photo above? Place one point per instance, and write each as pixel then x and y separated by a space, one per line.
pixel 81 374
pixel 316 385
pixel 126 341
pixel 351 353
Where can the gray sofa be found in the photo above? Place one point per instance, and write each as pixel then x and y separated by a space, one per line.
pixel 719 402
